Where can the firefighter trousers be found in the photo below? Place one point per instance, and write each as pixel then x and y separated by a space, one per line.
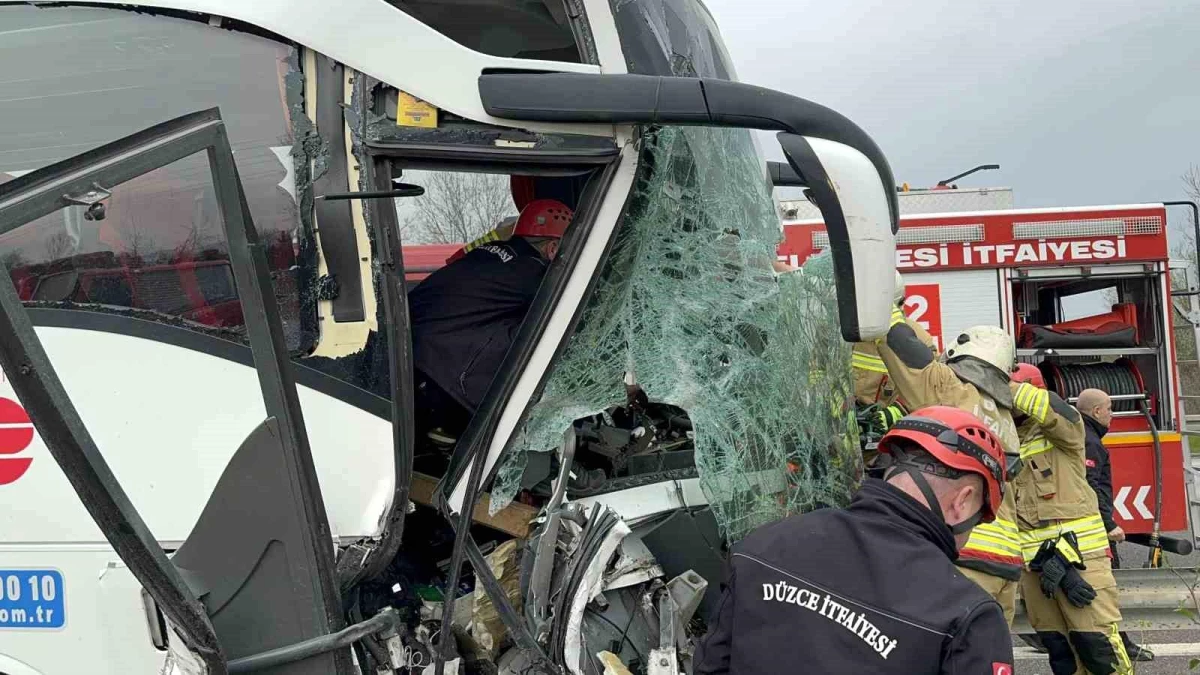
pixel 1080 640
pixel 1004 591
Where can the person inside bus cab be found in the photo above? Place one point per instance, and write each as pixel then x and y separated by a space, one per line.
pixel 465 316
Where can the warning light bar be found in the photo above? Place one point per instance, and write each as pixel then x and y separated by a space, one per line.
pixel 933 234
pixel 1088 227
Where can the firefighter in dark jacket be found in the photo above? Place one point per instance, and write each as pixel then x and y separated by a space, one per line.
pixel 1068 588
pixel 465 316
pixel 872 588
pixel 973 376
pixel 1096 407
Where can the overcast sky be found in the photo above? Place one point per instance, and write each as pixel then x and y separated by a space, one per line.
pixel 1078 102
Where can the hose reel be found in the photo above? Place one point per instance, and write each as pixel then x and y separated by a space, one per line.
pixel 1119 378
pixel 1122 381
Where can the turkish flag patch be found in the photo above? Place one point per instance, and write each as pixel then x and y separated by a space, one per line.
pixel 1091 463
pixel 1002 668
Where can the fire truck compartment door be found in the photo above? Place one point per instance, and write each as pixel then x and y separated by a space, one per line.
pixel 954 300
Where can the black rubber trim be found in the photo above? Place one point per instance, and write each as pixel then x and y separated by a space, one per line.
pixel 335 221
pixel 651 99
pixel 581 28
pixel 473 155
pixel 803 159
pixel 206 344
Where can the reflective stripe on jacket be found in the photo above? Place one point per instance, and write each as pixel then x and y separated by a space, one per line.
pixel 1052 492
pixel 995 548
pixel 1089 530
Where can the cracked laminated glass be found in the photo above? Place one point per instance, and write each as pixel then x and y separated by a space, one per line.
pixel 689 305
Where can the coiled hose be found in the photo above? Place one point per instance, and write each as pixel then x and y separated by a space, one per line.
pixel 1119 378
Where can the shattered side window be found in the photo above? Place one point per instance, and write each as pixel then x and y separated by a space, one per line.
pixel 689 304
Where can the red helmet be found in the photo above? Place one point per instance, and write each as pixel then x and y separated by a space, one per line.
pixel 543 218
pixel 959 441
pixel 1027 372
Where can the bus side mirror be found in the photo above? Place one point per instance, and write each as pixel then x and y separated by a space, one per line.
pixel 853 204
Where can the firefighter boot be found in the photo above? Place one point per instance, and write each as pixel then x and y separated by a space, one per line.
pixel 1135 651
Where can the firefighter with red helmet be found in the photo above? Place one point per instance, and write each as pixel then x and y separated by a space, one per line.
pixel 465 316
pixel 872 587
pixel 973 375
pixel 1068 588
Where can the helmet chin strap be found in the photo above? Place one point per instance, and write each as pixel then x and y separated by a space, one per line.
pixel 917 473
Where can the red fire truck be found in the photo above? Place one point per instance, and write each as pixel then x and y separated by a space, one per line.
pixel 1086 292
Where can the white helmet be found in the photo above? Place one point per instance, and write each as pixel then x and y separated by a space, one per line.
pixel 987 343
pixel 898 294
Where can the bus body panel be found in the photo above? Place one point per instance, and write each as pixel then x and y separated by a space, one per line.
pixel 167 420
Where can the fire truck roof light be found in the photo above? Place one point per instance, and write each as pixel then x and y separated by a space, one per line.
pixel 933 234
pixel 1088 227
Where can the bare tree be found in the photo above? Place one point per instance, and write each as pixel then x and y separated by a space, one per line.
pixel 456 207
pixel 57 245
pixel 1184 248
pixel 137 243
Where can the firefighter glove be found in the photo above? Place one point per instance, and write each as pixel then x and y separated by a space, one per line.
pixel 1051 573
pixel 1032 401
pixel 1079 592
pixel 884 418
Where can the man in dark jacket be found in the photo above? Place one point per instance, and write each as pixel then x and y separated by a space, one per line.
pixel 465 316
pixel 872 588
pixel 1096 407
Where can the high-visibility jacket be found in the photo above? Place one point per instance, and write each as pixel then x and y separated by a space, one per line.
pixel 1052 492
pixel 871 382
pixel 921 380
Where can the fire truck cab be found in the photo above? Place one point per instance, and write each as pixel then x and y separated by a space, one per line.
pixel 1085 292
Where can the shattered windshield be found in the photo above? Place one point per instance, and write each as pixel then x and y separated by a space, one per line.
pixel 688 304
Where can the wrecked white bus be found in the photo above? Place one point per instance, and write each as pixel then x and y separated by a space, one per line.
pixel 207 457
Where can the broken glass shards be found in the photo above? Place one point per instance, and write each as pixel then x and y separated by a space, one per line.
pixel 688 304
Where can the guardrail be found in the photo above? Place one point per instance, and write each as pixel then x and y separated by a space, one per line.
pixel 1191 421
pixel 1150 600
